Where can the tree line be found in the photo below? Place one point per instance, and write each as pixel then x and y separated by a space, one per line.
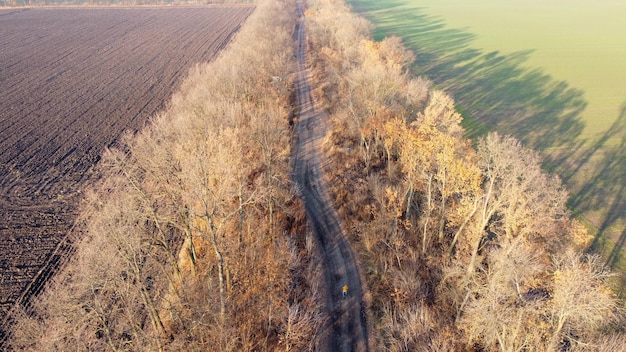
pixel 467 245
pixel 194 238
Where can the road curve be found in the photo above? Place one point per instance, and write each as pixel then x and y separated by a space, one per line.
pixel 347 325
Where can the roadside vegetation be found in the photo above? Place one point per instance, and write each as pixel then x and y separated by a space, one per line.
pixel 463 247
pixel 58 114
pixel 194 240
pixel 530 69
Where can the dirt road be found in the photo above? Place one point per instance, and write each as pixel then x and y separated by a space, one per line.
pixel 347 327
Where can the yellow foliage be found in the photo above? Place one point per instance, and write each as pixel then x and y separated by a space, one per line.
pixel 581 238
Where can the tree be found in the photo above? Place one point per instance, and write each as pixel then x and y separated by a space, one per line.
pixel 502 314
pixel 499 217
pixel 440 113
pixel 582 302
pixel 207 173
pixel 195 178
pixel 518 198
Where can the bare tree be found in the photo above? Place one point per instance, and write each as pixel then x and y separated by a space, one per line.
pixel 582 301
pixel 503 315
pixel 518 199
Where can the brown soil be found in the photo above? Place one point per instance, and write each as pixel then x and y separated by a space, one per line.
pixel 73 80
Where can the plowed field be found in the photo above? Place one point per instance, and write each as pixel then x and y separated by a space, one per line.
pixel 72 80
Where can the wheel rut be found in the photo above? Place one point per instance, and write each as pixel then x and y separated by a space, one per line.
pixel 347 328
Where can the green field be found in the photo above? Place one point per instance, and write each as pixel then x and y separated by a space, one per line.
pixel 550 72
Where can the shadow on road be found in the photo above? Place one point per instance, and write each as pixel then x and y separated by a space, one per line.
pixel 347 329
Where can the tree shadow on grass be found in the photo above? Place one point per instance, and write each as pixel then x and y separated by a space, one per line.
pixel 605 189
pixel 500 92
pixel 494 89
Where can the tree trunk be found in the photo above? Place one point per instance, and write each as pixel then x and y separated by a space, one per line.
pixel 554 340
pixel 157 324
pixel 409 199
pixel 239 195
pixel 191 249
pixel 472 263
pixel 428 213
pixel 366 152
pixel 155 318
pixel 487 213
pixel 220 265
pixel 220 273
pixel 465 221
pixel 270 200
pixel 170 252
pixel 442 219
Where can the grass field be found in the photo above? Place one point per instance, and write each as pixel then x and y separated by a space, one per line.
pixel 552 73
